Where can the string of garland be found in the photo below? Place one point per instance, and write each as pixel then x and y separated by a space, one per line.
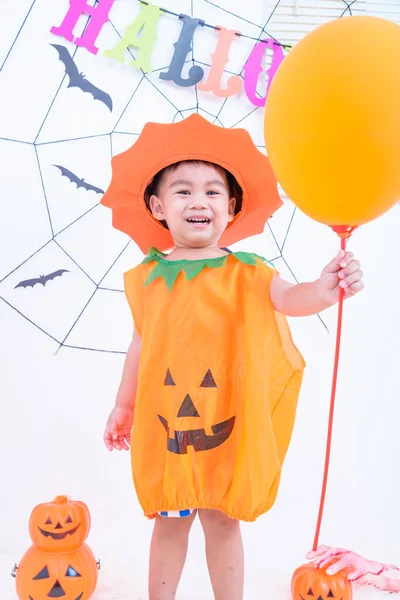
pixel 249 37
pixel 348 3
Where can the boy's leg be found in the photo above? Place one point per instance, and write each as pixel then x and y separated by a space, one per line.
pixel 168 551
pixel 224 551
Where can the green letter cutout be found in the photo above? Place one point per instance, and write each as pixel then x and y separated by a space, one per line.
pixel 146 20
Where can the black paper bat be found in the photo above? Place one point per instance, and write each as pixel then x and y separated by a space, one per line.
pixel 78 80
pixel 79 182
pixel 43 279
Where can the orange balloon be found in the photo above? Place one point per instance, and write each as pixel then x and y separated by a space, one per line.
pixel 332 121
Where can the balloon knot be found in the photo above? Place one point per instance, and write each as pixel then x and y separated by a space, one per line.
pixel 344 231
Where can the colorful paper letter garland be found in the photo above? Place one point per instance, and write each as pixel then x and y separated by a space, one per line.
pixel 146 24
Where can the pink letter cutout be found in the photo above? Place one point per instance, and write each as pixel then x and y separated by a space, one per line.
pixel 218 61
pixel 253 68
pixel 98 18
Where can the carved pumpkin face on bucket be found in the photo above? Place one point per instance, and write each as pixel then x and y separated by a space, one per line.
pixel 311 583
pixel 60 525
pixel 67 575
pixel 179 439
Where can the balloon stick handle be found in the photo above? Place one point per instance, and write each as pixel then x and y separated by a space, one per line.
pixel 344 235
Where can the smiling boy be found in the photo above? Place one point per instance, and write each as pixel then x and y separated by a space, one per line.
pixel 212 377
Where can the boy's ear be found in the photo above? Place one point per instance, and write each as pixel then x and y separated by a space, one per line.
pixel 157 208
pixel 231 208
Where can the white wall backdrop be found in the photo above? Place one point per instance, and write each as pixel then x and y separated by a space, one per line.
pixel 62 344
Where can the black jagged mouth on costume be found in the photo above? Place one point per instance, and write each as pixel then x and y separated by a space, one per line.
pixel 198 437
pixel 58 536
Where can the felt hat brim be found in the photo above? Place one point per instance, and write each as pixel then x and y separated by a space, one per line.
pixel 195 138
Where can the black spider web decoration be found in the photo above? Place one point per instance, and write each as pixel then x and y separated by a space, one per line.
pixel 54 241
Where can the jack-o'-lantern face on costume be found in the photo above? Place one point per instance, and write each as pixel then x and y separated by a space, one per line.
pixel 179 439
pixel 60 525
pixel 311 583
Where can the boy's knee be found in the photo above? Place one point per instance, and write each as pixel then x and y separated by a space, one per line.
pixel 217 522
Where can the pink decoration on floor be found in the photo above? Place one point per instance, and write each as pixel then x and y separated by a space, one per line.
pixel 360 570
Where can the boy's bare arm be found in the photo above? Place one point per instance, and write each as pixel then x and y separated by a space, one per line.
pixel 299 300
pixel 127 389
pixel 117 434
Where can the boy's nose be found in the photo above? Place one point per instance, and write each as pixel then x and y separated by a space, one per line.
pixel 198 203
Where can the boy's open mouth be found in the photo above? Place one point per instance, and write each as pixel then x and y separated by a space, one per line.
pixel 198 222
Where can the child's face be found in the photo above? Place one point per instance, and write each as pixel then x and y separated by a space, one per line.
pixel 194 201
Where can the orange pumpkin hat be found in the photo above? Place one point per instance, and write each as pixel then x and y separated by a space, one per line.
pixel 195 138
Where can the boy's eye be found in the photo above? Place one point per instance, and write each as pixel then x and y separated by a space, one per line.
pixel 213 192
pixel 183 192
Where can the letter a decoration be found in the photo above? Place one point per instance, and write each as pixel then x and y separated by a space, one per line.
pixel 146 20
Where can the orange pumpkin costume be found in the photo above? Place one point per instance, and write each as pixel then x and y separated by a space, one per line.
pixel 219 379
pixel 219 375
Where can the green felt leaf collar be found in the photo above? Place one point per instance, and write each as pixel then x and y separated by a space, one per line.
pixel 170 269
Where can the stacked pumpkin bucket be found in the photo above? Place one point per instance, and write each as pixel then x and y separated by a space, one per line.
pixel 59 564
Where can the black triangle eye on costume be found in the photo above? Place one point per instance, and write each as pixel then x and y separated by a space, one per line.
pixel 208 380
pixel 168 379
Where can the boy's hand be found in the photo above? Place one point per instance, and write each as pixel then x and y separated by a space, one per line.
pixel 118 429
pixel 343 271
